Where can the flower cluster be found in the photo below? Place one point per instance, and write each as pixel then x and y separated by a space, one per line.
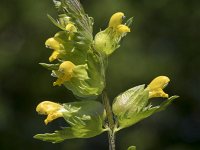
pixel 78 62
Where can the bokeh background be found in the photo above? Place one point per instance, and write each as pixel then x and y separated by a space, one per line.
pixel 165 40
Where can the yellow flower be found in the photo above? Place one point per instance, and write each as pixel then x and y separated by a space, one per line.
pixel 54 56
pixel 52 43
pixel 157 85
pixel 116 23
pixel 51 109
pixel 55 45
pixel 71 29
pixel 116 19
pixel 64 72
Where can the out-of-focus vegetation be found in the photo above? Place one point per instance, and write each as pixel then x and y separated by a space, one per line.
pixel 164 41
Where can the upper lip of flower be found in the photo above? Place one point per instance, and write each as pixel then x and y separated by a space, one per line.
pixel 116 23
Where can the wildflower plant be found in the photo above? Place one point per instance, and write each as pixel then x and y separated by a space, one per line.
pixel 78 62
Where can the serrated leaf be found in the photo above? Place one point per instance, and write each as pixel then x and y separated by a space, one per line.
pixel 57 136
pixel 50 66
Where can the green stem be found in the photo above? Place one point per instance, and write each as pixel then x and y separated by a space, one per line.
pixel 111 123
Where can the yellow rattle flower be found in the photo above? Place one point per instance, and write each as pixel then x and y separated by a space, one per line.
pixel 156 87
pixel 71 29
pixel 64 72
pixel 51 109
pixel 55 45
pixel 116 23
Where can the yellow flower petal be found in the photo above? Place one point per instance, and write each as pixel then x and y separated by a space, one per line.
pixel 123 29
pixel 116 19
pixel 51 109
pixel 64 72
pixel 52 43
pixel 157 85
pixel 54 56
pixel 71 27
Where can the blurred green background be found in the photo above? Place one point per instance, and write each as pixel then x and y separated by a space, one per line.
pixel 164 40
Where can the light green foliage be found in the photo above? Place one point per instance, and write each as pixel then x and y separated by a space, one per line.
pixel 85 120
pixel 133 105
pixel 132 148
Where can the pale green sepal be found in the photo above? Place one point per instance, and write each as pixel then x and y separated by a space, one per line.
pixel 103 42
pixel 50 66
pixel 80 72
pixel 131 148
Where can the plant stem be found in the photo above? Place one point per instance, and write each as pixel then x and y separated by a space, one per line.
pixel 111 123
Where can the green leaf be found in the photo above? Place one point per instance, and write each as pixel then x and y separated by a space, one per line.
pixel 131 148
pixel 133 105
pixel 50 66
pixel 57 136
pixel 130 101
